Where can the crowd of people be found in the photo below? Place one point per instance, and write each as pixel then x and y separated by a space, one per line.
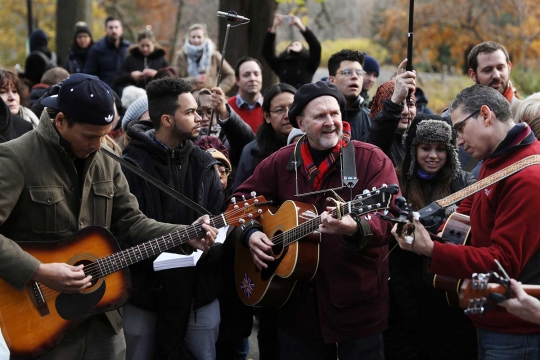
pixel 373 295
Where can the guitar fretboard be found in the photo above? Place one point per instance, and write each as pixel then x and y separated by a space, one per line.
pixel 148 249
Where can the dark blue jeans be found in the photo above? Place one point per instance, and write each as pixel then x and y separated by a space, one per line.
pixel 293 348
pixel 493 345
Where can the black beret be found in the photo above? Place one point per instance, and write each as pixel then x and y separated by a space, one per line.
pixel 308 92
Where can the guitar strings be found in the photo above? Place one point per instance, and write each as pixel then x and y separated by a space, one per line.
pixel 113 262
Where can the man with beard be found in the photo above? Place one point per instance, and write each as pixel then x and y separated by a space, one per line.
pixel 331 315
pixel 248 102
pixel 296 64
pixel 346 69
pixel 490 65
pixel 108 54
pixel 175 311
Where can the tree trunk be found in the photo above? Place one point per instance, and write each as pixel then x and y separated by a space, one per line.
pixel 247 40
pixel 68 12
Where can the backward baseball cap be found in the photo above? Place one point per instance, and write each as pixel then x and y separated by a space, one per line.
pixel 84 98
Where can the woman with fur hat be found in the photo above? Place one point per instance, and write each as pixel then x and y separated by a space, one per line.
pixel 198 61
pixel 421 323
pixel 143 61
pixel 79 48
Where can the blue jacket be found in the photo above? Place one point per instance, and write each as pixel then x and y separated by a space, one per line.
pixel 105 59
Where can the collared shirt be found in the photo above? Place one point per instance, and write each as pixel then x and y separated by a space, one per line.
pixel 241 103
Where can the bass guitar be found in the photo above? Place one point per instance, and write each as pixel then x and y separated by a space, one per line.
pixel 293 230
pixel 36 319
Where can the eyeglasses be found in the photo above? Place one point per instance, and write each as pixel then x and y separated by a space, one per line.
pixel 457 126
pixel 280 111
pixel 223 172
pixel 349 72
pixel 205 112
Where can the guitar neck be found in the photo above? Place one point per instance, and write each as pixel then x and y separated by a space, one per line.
pixel 306 228
pixel 533 290
pixel 148 249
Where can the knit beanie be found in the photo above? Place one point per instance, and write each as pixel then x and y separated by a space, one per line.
pixel 130 94
pixel 370 64
pixel 134 111
pixel 294 133
pixel 38 39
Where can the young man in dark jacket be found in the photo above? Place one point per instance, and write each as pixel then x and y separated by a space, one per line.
pixel 184 313
pixel 108 54
pixel 346 69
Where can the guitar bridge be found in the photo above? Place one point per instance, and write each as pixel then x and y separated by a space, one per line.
pixel 38 298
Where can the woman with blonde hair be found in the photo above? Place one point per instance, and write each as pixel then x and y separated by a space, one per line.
pixel 198 61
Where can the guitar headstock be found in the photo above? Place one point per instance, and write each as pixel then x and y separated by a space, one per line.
pixel 242 211
pixel 482 292
pixel 374 200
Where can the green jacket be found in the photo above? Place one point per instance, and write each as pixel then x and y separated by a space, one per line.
pixel 39 201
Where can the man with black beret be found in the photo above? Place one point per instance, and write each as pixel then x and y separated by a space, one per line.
pixel 55 181
pixel 343 310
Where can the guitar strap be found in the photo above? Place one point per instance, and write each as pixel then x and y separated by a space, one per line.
pixel 480 185
pixel 167 189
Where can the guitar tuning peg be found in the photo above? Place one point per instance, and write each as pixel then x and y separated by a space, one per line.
pixel 385 212
pixel 233 200
pixel 366 191
pixel 253 193
pixel 244 197
pixel 384 185
pixel 373 188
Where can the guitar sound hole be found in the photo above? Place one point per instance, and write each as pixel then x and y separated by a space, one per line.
pixel 278 245
pixel 87 262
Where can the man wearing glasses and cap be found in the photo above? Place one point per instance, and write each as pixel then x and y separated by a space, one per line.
pixel 346 69
pixel 503 218
pixel 347 301
pixel 55 181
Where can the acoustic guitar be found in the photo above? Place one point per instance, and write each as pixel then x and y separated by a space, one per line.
pixel 483 291
pixel 293 230
pixel 36 319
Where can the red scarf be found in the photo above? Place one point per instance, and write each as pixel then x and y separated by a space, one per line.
pixel 315 174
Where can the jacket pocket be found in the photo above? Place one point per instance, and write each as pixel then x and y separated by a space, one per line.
pixel 49 211
pixel 103 202
pixel 355 281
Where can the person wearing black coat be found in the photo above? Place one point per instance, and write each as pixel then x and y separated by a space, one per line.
pixel 108 54
pixel 79 49
pixel 296 65
pixel 11 126
pixel 143 61
pixel 40 59
pixel 180 302
pixel 422 325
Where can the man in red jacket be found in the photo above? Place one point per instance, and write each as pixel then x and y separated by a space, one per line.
pixel 343 310
pixel 503 216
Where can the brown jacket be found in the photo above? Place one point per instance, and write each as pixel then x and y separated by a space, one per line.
pixel 41 202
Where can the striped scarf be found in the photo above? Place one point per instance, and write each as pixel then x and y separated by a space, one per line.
pixel 316 174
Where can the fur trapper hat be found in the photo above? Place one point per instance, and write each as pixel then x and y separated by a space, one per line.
pixel 430 129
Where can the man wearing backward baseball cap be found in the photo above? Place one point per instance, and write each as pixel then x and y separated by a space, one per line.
pixel 343 310
pixel 55 181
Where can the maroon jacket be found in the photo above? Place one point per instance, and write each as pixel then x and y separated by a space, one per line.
pixel 348 298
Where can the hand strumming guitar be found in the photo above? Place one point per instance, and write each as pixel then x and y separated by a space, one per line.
pixel 62 277
pixel 260 246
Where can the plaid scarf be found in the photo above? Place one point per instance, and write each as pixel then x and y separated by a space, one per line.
pixel 198 57
pixel 315 174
